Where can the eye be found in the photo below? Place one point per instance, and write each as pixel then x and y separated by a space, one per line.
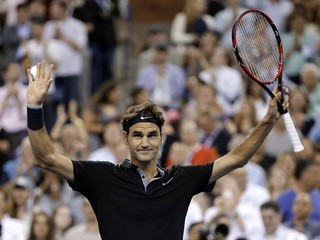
pixel 153 135
pixel 137 135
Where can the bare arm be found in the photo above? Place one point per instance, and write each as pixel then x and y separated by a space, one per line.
pixel 241 154
pixel 42 146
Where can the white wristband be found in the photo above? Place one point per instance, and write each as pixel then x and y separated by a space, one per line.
pixel 34 106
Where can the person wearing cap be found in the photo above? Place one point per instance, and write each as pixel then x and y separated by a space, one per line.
pixel 137 198
pixel 164 81
pixel 156 34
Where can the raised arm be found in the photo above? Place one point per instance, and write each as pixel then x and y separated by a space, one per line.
pixel 41 143
pixel 241 154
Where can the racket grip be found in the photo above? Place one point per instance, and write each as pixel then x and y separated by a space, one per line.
pixel 292 132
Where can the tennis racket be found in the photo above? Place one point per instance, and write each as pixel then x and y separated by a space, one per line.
pixel 258 49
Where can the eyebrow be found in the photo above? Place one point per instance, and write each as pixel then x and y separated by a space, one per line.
pixel 140 132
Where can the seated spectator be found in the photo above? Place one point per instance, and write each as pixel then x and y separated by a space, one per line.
pixel 10 228
pixel 41 227
pixel 298 45
pixel 196 153
pixel 112 139
pixel 302 208
pixel 229 96
pixel 89 229
pixel 22 165
pixel 309 75
pixel 307 173
pixel 70 133
pixel 156 35
pixel 62 220
pixel 244 218
pixel 278 181
pixel 164 81
pixel 104 105
pixel 274 229
pixel 214 132
pixel 20 204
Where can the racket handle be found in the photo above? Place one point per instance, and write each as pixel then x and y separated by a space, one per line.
pixel 292 132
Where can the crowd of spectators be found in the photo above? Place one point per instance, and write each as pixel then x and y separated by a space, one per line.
pixel 208 103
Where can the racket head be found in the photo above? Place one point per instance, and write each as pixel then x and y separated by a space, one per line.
pixel 257 45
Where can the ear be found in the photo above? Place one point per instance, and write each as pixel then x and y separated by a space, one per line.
pixel 125 137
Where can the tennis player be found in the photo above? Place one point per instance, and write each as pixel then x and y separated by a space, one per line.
pixel 137 199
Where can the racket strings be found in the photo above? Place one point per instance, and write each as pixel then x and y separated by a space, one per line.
pixel 258 47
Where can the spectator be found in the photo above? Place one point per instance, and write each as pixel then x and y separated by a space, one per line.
pixel 310 75
pixel 102 107
pixel 299 105
pixel 112 139
pixel 157 35
pixel 229 96
pixel 225 19
pixel 15 32
pixel 72 137
pixel 201 95
pixel 189 24
pixel 62 220
pixel 298 46
pixel 105 25
pixel 165 82
pixel 20 204
pixel 13 115
pixel 197 153
pixel 278 141
pixel 41 227
pixel 22 165
pixel 274 229
pixel 87 230
pixel 307 174
pixel 244 220
pixel 278 181
pixel 215 134
pixel 302 208
pixel 258 96
pixel 278 10
pixel 197 57
pixel 71 38
pixel 10 228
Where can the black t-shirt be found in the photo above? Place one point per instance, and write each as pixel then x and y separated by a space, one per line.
pixel 126 210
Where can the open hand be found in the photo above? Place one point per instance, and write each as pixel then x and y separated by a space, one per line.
pixel 39 84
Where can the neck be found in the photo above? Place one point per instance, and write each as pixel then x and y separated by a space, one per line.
pixel 149 168
pixel 300 187
pixel 300 221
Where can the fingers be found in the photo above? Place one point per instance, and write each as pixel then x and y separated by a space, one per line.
pixel 30 77
pixel 49 72
pixel 41 69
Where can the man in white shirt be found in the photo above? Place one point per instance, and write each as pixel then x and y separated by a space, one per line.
pixel 274 229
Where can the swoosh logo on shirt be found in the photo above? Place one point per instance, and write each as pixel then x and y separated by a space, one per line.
pixel 165 183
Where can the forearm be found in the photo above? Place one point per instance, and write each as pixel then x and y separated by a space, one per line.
pixel 241 154
pixel 42 147
pixel 247 148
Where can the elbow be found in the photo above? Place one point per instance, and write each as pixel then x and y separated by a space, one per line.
pixel 45 161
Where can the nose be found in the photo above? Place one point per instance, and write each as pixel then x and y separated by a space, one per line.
pixel 144 142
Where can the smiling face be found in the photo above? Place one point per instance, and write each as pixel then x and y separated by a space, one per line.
pixel 143 140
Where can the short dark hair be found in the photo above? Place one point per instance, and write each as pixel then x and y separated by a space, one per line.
pixel 270 205
pixel 147 108
pixel 302 166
